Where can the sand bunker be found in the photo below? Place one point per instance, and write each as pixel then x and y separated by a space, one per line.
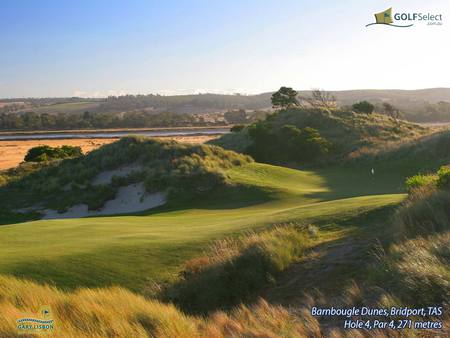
pixel 129 199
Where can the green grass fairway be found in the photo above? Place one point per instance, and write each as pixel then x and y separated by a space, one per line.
pixel 133 251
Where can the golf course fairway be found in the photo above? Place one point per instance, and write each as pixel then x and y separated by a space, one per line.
pixel 134 251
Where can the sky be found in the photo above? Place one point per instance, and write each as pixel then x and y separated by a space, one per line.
pixel 95 48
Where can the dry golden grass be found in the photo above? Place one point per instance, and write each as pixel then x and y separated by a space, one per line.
pixel 116 312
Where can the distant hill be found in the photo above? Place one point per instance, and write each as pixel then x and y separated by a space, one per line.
pixel 395 96
pixel 423 105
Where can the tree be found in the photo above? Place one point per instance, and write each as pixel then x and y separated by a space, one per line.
pixel 390 110
pixel 363 107
pixel 285 98
pixel 321 99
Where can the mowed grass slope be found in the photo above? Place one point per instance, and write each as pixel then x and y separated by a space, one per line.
pixel 134 251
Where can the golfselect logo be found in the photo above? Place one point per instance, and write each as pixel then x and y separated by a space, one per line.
pixel 405 19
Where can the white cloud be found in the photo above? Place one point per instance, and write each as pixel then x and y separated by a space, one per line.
pixel 228 91
pixel 168 92
pixel 98 94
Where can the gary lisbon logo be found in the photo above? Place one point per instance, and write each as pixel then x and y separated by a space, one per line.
pixel 387 18
pixel 41 325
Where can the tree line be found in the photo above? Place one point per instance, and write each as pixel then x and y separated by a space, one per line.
pixel 178 102
pixel 88 120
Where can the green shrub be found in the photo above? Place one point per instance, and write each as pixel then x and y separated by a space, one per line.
pixel 47 153
pixel 363 107
pixel 443 180
pixel 418 181
pixel 440 180
pixel 285 144
pixel 235 269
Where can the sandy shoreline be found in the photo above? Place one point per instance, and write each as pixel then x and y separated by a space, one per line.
pixel 13 152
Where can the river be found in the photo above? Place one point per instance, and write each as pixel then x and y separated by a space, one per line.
pixel 112 134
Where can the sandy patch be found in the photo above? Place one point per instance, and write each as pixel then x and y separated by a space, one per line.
pixel 13 152
pixel 129 199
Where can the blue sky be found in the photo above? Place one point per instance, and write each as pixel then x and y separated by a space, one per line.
pixel 100 47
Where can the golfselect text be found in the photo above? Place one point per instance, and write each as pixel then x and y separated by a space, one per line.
pixel 417 17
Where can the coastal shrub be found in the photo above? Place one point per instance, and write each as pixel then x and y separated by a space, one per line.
pixel 418 181
pixel 440 180
pixel 46 153
pixel 286 144
pixel 443 180
pixel 363 107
